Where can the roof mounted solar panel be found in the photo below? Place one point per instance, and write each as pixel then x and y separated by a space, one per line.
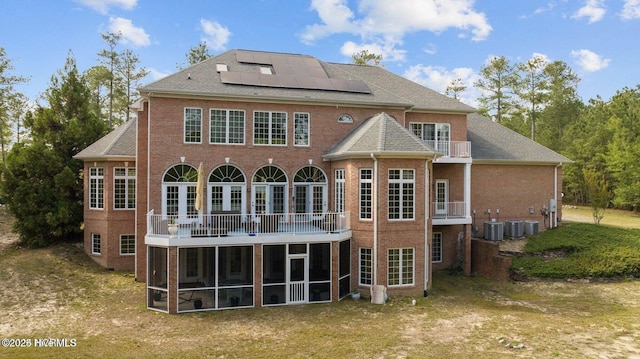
pixel 289 71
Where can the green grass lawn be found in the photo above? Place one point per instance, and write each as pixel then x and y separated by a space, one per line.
pixel 584 250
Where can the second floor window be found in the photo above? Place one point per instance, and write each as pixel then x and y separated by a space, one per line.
pixel 401 194
pixel 192 125
pixel 339 190
pixel 96 187
pixel 366 192
pixel 227 126
pixel 124 188
pixel 301 129
pixel 269 128
pixel 436 135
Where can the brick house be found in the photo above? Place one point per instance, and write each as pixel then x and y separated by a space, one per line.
pixel 257 179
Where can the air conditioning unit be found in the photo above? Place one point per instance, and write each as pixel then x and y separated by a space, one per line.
pixel 513 229
pixel 530 228
pixel 493 231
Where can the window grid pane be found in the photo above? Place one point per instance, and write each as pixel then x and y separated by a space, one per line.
pixel 365 266
pixel 96 188
pixel 339 190
pixel 192 125
pixel 394 267
pixel 127 244
pixel 301 128
pixel 124 185
pixel 366 181
pixel 401 196
pixel 436 247
pixel 95 243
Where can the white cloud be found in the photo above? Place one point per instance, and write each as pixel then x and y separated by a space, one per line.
pixel 589 61
pixel 631 10
pixel 438 78
pixel 388 51
pixel 131 34
pixel 103 6
pixel 431 49
pixel 386 22
pixel 592 9
pixel 215 35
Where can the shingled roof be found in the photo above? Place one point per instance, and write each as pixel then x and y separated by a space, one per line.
pixel 237 74
pixel 494 143
pixel 380 135
pixel 119 144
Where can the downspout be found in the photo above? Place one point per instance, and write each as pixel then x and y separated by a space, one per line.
pixel 375 222
pixel 553 221
pixel 426 227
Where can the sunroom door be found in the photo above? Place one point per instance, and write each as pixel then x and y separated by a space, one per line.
pixel 297 279
pixel 442 197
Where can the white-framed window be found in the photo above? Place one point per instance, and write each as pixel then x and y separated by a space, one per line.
pixel 301 129
pixel 95 243
pixel 192 125
pixel 226 126
pixel 127 244
pixel 269 128
pixel 366 193
pixel 124 188
pixel 436 135
pixel 96 188
pixel 310 191
pixel 436 247
pixel 401 194
pixel 179 191
pixel 269 188
pixel 400 266
pixel 227 189
pixel 339 191
pixel 366 265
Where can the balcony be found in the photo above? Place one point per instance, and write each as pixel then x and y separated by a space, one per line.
pixel 230 227
pixel 444 213
pixel 452 149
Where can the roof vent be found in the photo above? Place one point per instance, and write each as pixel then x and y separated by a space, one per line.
pixel 221 68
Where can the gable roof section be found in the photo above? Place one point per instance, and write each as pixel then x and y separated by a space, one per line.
pixel 119 144
pixel 334 83
pixel 380 135
pixel 494 143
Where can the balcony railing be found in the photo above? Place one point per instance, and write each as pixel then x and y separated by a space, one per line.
pixel 454 149
pixel 233 224
pixel 448 210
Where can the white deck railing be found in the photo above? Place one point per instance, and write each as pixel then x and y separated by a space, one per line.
pixel 445 210
pixel 233 224
pixel 455 149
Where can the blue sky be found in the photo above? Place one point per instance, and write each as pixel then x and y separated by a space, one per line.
pixel 428 41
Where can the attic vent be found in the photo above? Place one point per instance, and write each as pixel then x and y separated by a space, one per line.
pixel 221 68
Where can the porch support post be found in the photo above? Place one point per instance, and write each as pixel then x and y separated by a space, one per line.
pixel 466 266
pixel 172 280
pixel 467 190
pixel 467 227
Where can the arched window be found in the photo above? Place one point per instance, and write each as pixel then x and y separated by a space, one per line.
pixel 269 186
pixel 310 191
pixel 179 191
pixel 227 188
